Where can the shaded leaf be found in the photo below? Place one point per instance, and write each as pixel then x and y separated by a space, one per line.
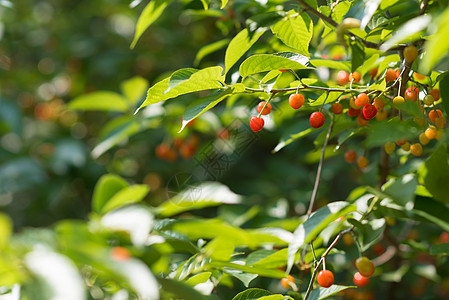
pixel 210 48
pixel 444 91
pixel 251 294
pixel 440 249
pixel 434 173
pixel 182 290
pixel 322 293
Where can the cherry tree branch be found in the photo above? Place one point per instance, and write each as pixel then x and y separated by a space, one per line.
pixel 423 6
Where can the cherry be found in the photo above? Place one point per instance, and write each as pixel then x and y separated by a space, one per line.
pixel 283 70
pixel 389 147
pixel 337 108
pixel 444 238
pixel 419 76
pixel 350 156
pixel 362 121
pixel 373 72
pixel 412 89
pixel 423 139
pixel 360 280
pixel 265 110
pixel 391 75
pixel 355 76
pixel 379 103
pixel 369 111
pixel 362 162
pixel 398 100
pixel 287 281
pixel 296 100
pixel 342 78
pixel 406 146
pixel 120 253
pixel 162 150
pixel 256 123
pixel 411 95
pixel 410 53
pixel 401 142
pixel 362 100
pixel 316 119
pixel 381 115
pixel 325 278
pixel 428 99
pixel 435 93
pixel 440 122
pixel 434 114
pixel 416 149
pixel 431 132
pixel 365 266
pixel 187 151
pixel 353 112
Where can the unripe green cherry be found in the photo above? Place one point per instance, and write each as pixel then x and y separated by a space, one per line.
pixel 428 99
pixel 365 266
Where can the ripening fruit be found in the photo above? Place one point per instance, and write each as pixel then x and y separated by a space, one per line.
pixel 360 280
pixel 435 94
pixel 373 72
pixel 416 149
pixel 256 123
pixel 353 112
pixel 162 150
pixel 398 100
pixel 362 121
pixel 362 162
pixel 348 240
pixel 389 147
pixel 412 89
pixel 411 96
pixel 369 111
pixel 390 75
pixel 423 139
pixel 406 146
pixel 439 134
pixel 420 121
pixel 355 76
pixel 325 278
pixel 350 156
pixel 287 281
pixel 362 100
pixel 352 103
pixel 316 119
pixel 342 78
pixel 381 115
pixel 337 108
pixel 365 266
pixel 265 110
pixel 440 122
pixel 431 132
pixel 419 76
pixel 379 103
pixel 401 142
pixel 428 99
pixel 296 100
pixel 410 53
pixel 434 114
pixel 120 253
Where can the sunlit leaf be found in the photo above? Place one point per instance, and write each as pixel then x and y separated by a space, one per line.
pixel 107 186
pixel 266 62
pixel 322 293
pixel 437 45
pixel 134 88
pixel 101 100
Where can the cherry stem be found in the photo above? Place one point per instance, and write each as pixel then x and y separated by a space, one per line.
pixel 265 105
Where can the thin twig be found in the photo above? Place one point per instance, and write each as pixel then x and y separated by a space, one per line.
pixel 423 7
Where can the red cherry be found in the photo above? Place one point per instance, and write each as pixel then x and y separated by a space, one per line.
pixel 337 108
pixel 369 111
pixel 411 95
pixel 265 110
pixel 361 100
pixel 434 114
pixel 316 119
pixel 350 156
pixel 353 112
pixel 342 78
pixel 391 75
pixel 355 77
pixel 287 281
pixel 296 100
pixel 412 89
pixel 256 123
pixel 325 278
pixel 360 280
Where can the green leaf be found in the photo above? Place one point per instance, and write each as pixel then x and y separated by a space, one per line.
pixel 333 64
pixel 387 3
pixel 275 297
pixel 396 129
pixel 370 8
pixel 249 269
pixel 101 100
pixel 322 293
pixel 200 106
pixel 266 62
pixel 444 92
pixel 207 194
pixel 285 141
pixel 208 49
pixel 134 88
pixel 409 31
pixel 357 55
pixel 437 45
pixel 5 230
pixel 372 232
pixel 198 278
pixel 402 190
pixel 245 278
pixel 309 230
pixel 107 186
pixel 331 97
pixel 295 31
pixel 223 3
pixel 184 83
pixel 239 45
pixel 440 249
pixel 252 294
pixel 268 258
pixel 126 196
pixel 150 14
pixel 182 290
pixel 434 173
pixel 219 249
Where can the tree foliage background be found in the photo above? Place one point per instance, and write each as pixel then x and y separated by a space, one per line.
pixel 103 196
